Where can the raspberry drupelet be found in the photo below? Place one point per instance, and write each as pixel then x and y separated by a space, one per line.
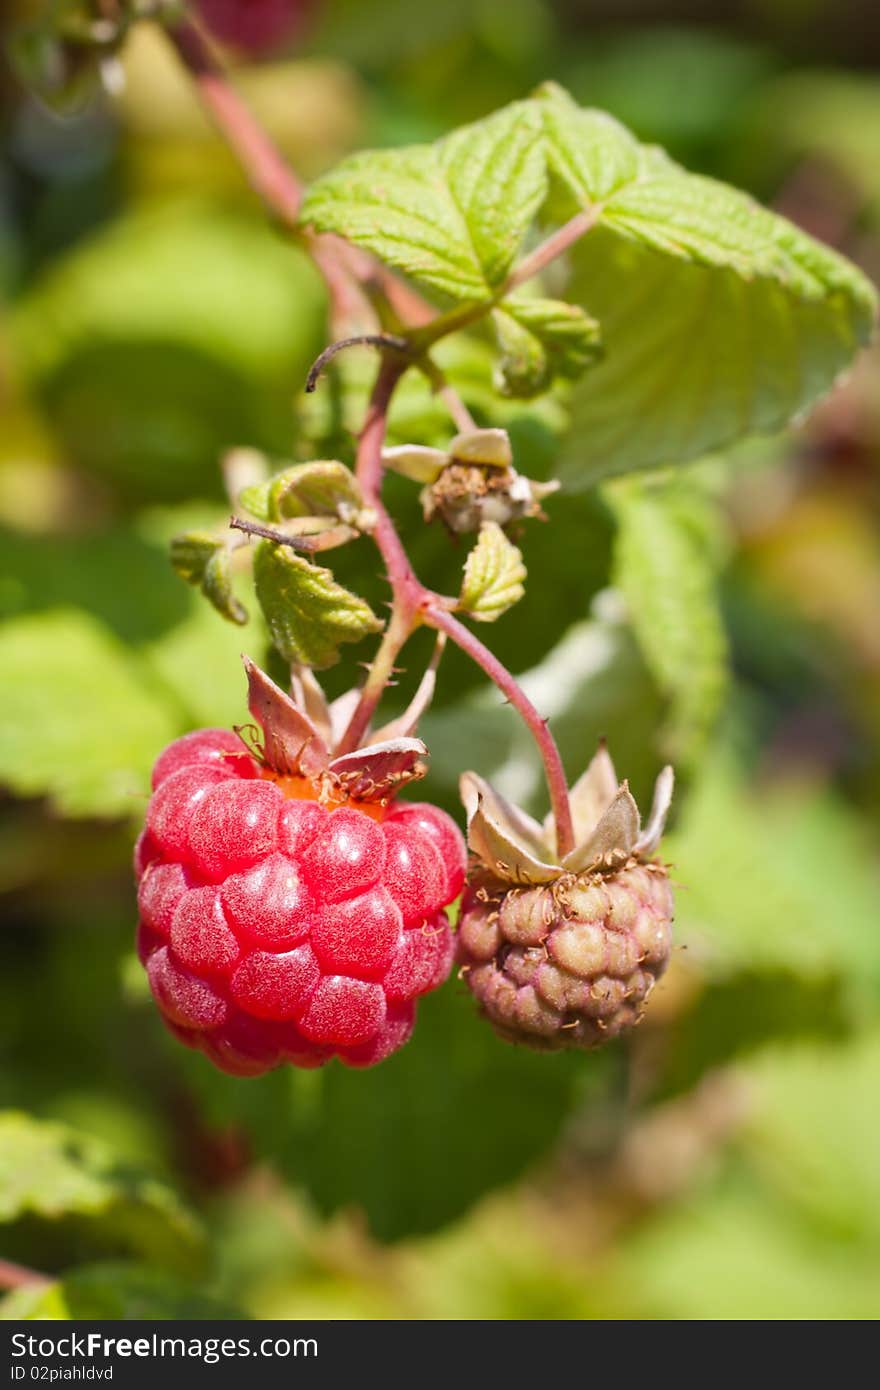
pixel 283 919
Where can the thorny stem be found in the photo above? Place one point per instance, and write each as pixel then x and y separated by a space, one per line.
pixel 323 540
pixel 439 617
pixel 554 246
pixel 407 592
pixel 13 1276
pixel 413 603
pixel 350 276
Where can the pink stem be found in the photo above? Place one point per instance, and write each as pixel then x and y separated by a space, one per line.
pixel 413 602
pixel 435 615
pixel 349 273
pixel 268 171
pixel 407 593
pixel 554 246
pixel 461 416
pixel 345 269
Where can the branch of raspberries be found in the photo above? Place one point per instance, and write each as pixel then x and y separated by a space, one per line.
pixel 291 910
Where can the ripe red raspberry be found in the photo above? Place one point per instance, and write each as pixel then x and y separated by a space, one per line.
pixel 255 26
pixel 282 921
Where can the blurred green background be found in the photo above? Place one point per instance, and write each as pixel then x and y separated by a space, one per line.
pixel 725 1163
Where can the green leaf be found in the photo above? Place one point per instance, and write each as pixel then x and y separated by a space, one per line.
pixel 81 724
pixel 116 1291
pixel 590 153
pixel 666 571
pixel 206 563
pixel 308 613
pixel 543 338
pixel 257 499
pixel 493 575
pixel 49 1172
pixel 452 215
pixel 674 260
pixel 323 487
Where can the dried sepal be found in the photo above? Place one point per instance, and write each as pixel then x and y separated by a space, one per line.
pixel 292 745
pixel 589 798
pixel 506 841
pixel 651 835
pixel 470 483
pixel 613 840
pixel 378 771
pixel 341 711
pixel 512 848
pixel 311 700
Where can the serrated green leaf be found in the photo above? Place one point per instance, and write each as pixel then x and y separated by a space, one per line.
pixel 49 1172
pixel 452 215
pixel 589 152
pixel 115 1290
pixel 543 338
pixel 308 613
pixel 81 724
pixel 674 260
pixel 206 562
pixel 493 575
pixel 666 571
pixel 321 488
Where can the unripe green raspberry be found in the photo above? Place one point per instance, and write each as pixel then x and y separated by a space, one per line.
pixel 563 954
